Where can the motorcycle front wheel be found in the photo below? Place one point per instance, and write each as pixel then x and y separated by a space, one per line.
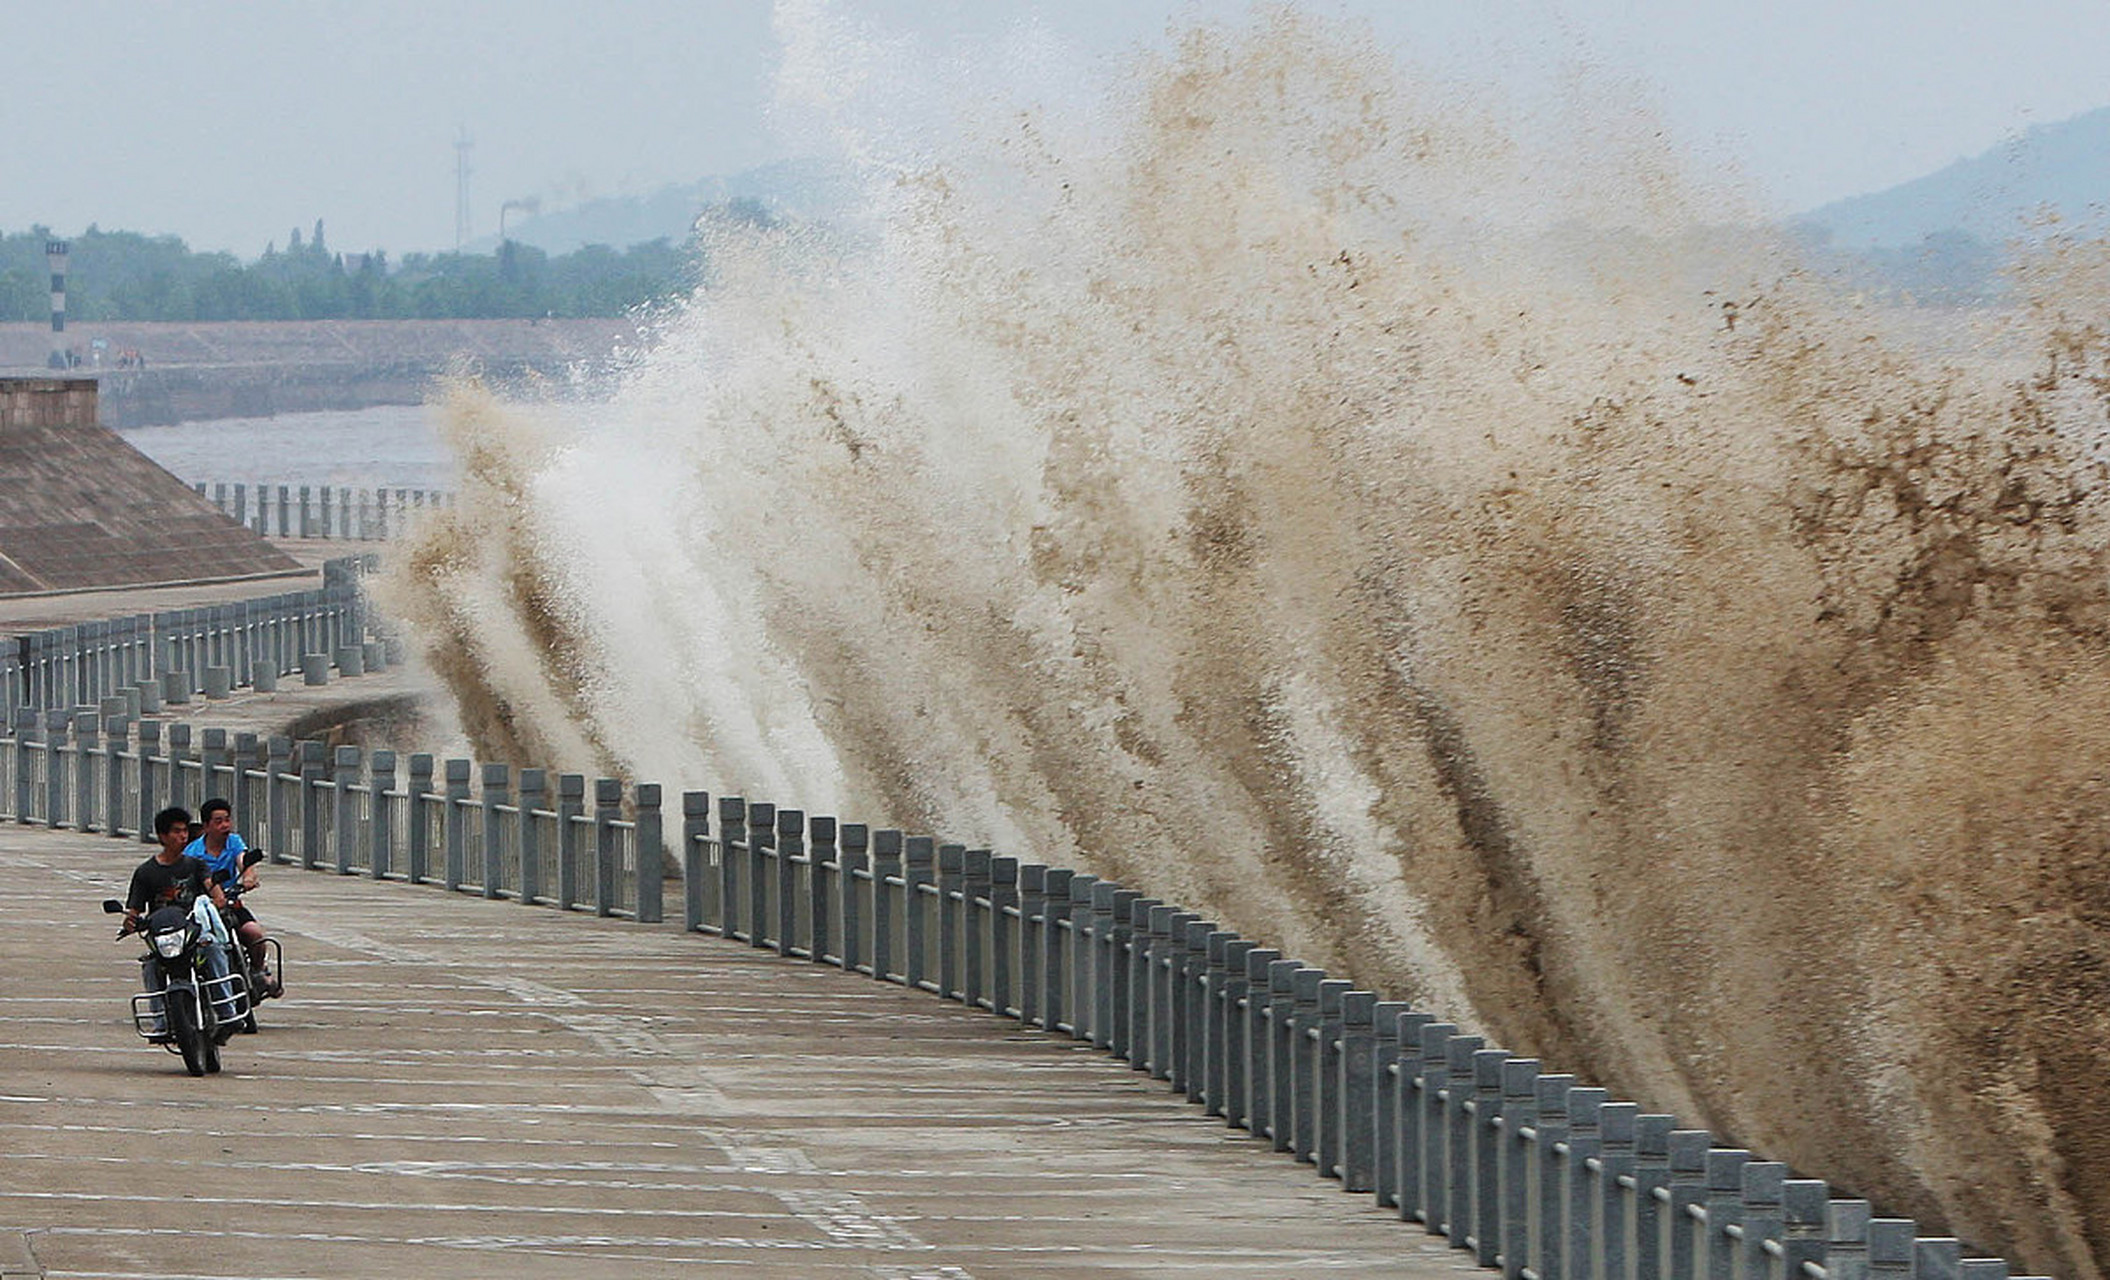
pixel 184 1029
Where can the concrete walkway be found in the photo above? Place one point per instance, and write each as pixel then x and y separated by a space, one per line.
pixel 459 1088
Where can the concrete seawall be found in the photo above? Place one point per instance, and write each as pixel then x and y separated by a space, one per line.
pixel 259 368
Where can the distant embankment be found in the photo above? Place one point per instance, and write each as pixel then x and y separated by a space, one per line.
pixel 258 368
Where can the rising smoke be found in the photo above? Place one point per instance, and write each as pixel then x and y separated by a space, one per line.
pixel 1437 548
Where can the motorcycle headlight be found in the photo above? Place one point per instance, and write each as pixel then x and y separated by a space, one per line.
pixel 170 944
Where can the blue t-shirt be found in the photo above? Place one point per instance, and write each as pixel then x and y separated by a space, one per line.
pixel 230 859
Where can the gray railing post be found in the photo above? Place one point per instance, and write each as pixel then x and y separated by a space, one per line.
pixel 1483 1215
pixel 1168 928
pixel 419 828
pixel 952 870
pixel 732 854
pixel 1003 898
pixel 314 767
pixel 1514 1162
pixel 1054 913
pixel 1619 1227
pixel 1032 915
pixel 381 830
pixel 87 749
pixel 651 840
pixel 116 729
pixel 791 846
pixel 1435 1128
pixel 1140 977
pixel 1580 1209
pixel 346 836
pixel 820 893
pixel 1846 1238
pixel 1118 947
pixel 278 814
pixel 918 858
pixel 1689 1149
pixel 25 734
pixel 1544 1186
pixel 1890 1248
pixel 886 865
pixel 1312 991
pixel 497 789
pixel 454 820
pixel 1385 1127
pixel 974 891
pixel 1714 1249
pixel 1083 1001
pixel 571 806
pixel 1259 1105
pixel 56 723
pixel 1282 1048
pixel 1325 1122
pixel 607 809
pixel 695 830
pixel 855 858
pixel 1805 1217
pixel 1189 1051
pixel 534 795
pixel 1229 1083
pixel 1761 1213
pixel 761 847
pixel 1353 1158
pixel 1104 970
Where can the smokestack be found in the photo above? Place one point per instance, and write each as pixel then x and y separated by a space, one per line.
pixel 55 254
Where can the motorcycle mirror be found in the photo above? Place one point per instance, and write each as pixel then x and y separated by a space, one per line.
pixel 252 857
pixel 112 906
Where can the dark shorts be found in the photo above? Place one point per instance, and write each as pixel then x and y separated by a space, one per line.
pixel 240 915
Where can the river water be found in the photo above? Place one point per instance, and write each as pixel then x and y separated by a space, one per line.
pixel 386 446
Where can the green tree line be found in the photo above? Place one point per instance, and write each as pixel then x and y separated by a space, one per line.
pixel 123 275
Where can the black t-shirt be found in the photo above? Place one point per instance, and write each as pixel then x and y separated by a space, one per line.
pixel 159 883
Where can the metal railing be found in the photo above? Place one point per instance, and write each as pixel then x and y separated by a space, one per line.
pixel 323 511
pixel 149 658
pixel 1533 1173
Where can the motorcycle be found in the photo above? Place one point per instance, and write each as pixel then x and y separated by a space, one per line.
pixel 248 980
pixel 193 1012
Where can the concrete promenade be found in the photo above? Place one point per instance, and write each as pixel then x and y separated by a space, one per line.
pixel 456 1087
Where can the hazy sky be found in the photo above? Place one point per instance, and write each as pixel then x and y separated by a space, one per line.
pixel 230 121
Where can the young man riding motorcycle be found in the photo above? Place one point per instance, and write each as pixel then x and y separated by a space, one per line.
pixel 221 848
pixel 171 877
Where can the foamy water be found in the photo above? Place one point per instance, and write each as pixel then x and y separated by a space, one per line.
pixel 1454 558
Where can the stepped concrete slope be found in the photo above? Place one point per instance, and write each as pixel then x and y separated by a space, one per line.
pixel 80 508
pixel 463 1088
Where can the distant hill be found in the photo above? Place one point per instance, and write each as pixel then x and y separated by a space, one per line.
pixel 800 189
pixel 1990 198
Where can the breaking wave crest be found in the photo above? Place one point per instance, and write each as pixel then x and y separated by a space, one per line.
pixel 1514 591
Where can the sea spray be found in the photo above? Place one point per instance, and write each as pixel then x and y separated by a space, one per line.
pixel 1310 502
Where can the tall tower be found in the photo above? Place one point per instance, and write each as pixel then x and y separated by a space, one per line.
pixel 462 144
pixel 55 254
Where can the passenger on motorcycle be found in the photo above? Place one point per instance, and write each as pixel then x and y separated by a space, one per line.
pixel 171 876
pixel 220 848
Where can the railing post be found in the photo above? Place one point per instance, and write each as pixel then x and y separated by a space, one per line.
pixel 1082 1000
pixel 791 846
pixel 1168 929
pixel 116 728
pixel 1846 1239
pixel 1351 1156
pixel 1105 970
pixel 1436 1125
pixel 455 820
pixel 1544 1185
pixel 1230 1080
pixel 1514 1162
pixel 1714 1250
pixel 1326 1078
pixel 1581 1209
pixel 886 865
pixel 1689 1149
pixel 1054 912
pixel 1032 918
pixel 761 847
pixel 1259 1105
pixel 1120 974
pixel 651 840
pixel 1003 898
pixel 347 833
pixel 607 809
pixel 1760 1211
pixel 56 723
pixel 1483 1128
pixel 1215 977
pixel 497 789
pixel 1384 1102
pixel 419 827
pixel 1804 1210
pixel 534 795
pixel 1281 1049
pixel 1313 990
pixel 732 852
pixel 820 894
pixel 974 895
pixel 381 830
pixel 695 829
pixel 918 859
pixel 855 858
pixel 25 734
pixel 952 866
pixel 1411 1113
pixel 1191 1007
pixel 313 768
pixel 1890 1248
pixel 1619 1226
pixel 571 806
pixel 87 747
pixel 278 814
